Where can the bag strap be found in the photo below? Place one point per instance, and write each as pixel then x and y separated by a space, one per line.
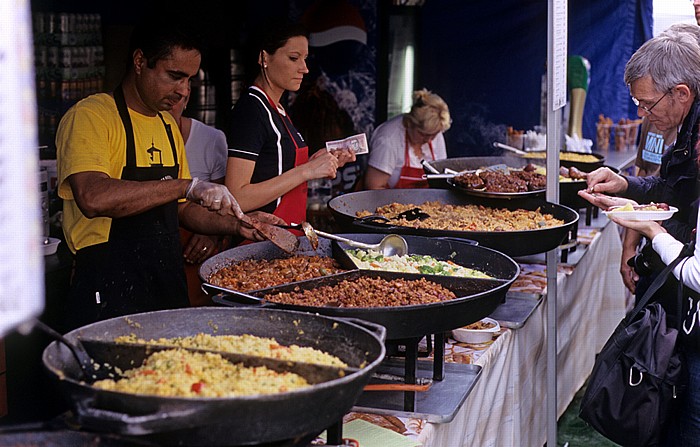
pixel 659 281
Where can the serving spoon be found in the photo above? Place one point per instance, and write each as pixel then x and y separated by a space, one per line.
pixel 92 369
pixel 390 245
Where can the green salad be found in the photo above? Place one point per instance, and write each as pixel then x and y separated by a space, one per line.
pixel 425 264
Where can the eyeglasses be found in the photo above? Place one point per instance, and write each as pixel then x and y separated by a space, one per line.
pixel 645 108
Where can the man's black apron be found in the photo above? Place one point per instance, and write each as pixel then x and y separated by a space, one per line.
pixel 140 268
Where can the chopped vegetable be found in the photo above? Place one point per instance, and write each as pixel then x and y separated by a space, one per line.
pixel 415 263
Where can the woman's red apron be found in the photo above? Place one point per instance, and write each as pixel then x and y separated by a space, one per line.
pixel 292 205
pixel 411 177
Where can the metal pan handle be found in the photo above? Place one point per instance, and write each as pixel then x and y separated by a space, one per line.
pixel 459 239
pixel 238 298
pixel 376 329
pixel 373 223
pixel 242 297
pixel 127 424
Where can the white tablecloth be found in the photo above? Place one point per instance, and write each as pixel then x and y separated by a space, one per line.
pixel 507 406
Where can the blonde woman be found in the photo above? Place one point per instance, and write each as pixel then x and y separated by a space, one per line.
pixel 398 145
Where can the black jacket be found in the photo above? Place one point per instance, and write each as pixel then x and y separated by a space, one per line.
pixel 676 184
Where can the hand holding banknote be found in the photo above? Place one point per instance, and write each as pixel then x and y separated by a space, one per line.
pixel 356 143
pixel 347 149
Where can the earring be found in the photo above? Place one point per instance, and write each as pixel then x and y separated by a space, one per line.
pixel 264 65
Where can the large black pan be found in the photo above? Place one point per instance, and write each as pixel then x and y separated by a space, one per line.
pixel 477 298
pixel 460 164
pixel 582 165
pixel 568 191
pixel 223 421
pixel 511 243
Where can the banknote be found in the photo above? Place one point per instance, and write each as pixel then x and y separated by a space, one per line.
pixel 358 143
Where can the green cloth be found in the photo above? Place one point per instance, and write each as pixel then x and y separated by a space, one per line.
pixel 577 72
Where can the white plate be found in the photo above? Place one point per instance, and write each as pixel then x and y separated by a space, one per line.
pixel 643 215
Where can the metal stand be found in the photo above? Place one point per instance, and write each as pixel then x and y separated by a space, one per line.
pixel 439 404
pixel 451 383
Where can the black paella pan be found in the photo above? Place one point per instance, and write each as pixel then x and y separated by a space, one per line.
pixel 568 191
pixel 477 298
pixel 243 420
pixel 511 243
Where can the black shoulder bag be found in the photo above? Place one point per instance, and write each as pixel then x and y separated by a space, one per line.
pixel 638 374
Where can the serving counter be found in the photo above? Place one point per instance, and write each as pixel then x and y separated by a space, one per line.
pixel 507 406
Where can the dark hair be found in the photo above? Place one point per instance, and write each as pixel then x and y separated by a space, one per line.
pixel 156 35
pixel 271 35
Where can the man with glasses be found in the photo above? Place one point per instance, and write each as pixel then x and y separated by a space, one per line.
pixel 653 143
pixel 664 81
pixel 663 76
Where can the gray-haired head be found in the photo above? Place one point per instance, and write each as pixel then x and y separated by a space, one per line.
pixel 690 28
pixel 669 59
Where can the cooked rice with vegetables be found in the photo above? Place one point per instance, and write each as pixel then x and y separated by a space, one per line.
pixel 243 344
pixel 181 373
pixel 427 265
pixel 466 217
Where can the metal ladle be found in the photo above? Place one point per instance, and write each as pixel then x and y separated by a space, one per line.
pixel 390 245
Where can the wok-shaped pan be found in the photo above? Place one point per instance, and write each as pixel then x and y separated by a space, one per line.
pixel 511 243
pixel 568 191
pixel 223 421
pixel 582 165
pixel 477 298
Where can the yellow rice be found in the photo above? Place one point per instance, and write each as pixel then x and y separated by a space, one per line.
pixel 181 373
pixel 244 344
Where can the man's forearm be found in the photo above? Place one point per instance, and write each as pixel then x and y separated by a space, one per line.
pixel 98 195
pixel 199 220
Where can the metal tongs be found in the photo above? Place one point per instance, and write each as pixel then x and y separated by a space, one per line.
pixel 451 173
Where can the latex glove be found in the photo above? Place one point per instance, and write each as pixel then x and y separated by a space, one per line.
pixel 605 180
pixel 214 197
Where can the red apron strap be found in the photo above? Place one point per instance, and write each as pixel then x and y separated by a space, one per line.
pixel 411 177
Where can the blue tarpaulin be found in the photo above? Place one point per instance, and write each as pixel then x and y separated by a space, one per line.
pixel 487 58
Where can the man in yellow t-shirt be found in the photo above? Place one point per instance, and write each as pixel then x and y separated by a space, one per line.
pixel 123 175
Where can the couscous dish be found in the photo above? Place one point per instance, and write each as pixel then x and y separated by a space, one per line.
pixel 243 344
pixel 181 373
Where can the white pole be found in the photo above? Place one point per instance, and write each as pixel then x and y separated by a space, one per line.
pixel 556 99
pixel 21 223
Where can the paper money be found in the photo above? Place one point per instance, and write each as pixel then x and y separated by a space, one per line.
pixel 357 143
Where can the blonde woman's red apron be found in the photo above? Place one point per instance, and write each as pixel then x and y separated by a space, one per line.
pixel 411 177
